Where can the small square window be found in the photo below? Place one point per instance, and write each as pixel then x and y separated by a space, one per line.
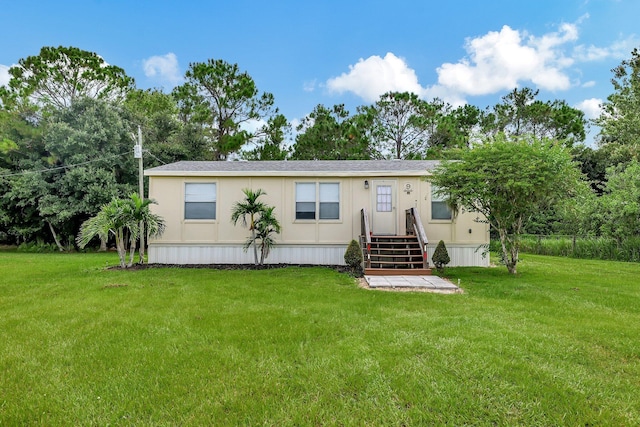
pixel 439 206
pixel 200 201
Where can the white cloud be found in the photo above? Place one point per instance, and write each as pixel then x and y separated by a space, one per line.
pixel 590 83
pixel 163 68
pixel 590 107
pixel 374 76
pixel 620 49
pixel 309 86
pixel 253 125
pixel 4 75
pixel 501 60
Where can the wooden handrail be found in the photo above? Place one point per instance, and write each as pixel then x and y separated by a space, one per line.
pixel 365 233
pixel 415 227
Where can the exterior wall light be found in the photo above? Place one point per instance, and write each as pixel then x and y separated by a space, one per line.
pixel 366 184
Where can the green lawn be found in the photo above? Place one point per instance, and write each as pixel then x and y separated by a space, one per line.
pixel 557 345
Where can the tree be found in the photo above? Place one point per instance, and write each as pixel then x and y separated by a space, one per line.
pixel 252 208
pixel 266 225
pixel 507 179
pixel 403 123
pixel 353 257
pixel 520 113
pixel 20 188
pixel 620 118
pixel 440 256
pixel 331 134
pixel 272 142
pixel 60 75
pixel 620 203
pixel 454 129
pixel 121 218
pixel 165 135
pixel 222 99
pixel 90 144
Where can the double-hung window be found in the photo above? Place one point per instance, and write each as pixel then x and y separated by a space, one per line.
pixel 306 200
pixel 439 207
pixel 200 200
pixel 317 200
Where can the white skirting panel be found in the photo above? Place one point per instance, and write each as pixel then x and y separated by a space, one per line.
pixel 461 255
pixel 231 254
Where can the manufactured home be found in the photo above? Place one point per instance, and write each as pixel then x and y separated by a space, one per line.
pixel 386 205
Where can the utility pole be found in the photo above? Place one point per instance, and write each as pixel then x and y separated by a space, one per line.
pixel 137 150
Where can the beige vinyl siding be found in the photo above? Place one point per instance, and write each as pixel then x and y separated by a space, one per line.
pixel 301 241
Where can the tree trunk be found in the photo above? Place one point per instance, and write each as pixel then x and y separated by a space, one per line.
pixel 142 241
pixel 132 252
pixel 122 254
pixel 255 245
pixel 55 237
pixel 262 250
pixel 103 245
pixel 509 252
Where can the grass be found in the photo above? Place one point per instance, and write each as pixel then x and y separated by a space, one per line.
pixel 81 345
pixel 579 247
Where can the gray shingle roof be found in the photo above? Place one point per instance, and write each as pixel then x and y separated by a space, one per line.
pixel 297 167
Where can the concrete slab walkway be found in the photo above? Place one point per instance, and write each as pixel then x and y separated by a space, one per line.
pixel 430 283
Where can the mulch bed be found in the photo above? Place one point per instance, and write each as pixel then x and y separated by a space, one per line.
pixel 338 268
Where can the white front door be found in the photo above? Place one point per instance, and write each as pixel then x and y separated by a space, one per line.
pixel 383 216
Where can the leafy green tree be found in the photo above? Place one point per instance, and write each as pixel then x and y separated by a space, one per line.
pixel 22 151
pixel 57 76
pixel 61 176
pixel 507 179
pixel 272 141
pixel 454 130
pixel 520 113
pixel 19 207
pixel 166 137
pixel 91 144
pixel 620 119
pixel 121 219
pixel 332 134
pixel 250 208
pixel 403 124
pixel 221 98
pixel 620 203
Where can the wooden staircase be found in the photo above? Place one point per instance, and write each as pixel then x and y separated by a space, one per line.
pixel 395 255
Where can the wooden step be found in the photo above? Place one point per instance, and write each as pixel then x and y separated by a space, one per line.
pixel 395 255
pixel 403 256
pixel 400 264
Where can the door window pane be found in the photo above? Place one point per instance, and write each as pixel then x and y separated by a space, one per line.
pixel 383 198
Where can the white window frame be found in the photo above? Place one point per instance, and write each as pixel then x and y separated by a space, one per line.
pixel 204 198
pixel 323 199
pixel 439 201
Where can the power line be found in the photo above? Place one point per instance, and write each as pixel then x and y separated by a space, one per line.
pixel 64 167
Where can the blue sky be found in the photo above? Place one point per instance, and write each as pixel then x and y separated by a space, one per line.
pixel 331 52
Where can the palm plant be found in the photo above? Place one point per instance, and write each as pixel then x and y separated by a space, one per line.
pixel 252 209
pixel 141 213
pixel 122 218
pixel 266 225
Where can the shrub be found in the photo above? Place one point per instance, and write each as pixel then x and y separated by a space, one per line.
pixel 440 256
pixel 353 258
